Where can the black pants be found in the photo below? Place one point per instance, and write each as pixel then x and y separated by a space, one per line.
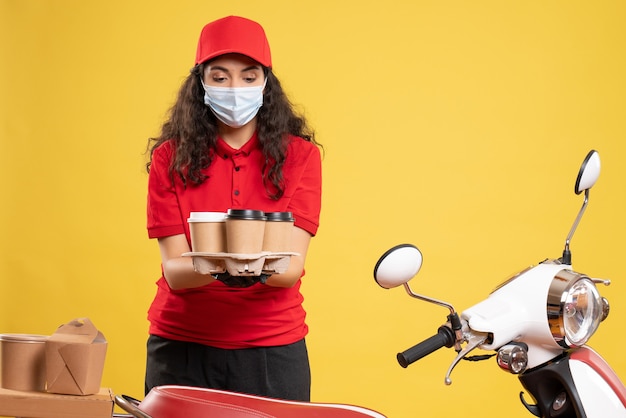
pixel 278 372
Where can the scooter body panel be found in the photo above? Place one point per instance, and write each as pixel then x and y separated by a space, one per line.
pixel 603 393
pixel 191 402
pixel 578 384
pixel 597 396
pixel 514 313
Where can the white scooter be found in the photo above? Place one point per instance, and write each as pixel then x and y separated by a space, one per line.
pixel 538 322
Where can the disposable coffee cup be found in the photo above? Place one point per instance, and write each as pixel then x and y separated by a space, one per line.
pixel 244 231
pixel 207 231
pixel 278 229
pixel 23 362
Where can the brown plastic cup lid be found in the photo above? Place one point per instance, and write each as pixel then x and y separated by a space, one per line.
pixel 248 214
pixel 279 216
pixel 23 338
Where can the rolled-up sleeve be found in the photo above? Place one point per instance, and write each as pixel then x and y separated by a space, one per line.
pixel 163 212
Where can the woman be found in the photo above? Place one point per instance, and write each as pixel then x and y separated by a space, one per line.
pixel 232 141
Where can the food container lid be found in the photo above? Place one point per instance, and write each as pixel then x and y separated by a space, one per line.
pixel 248 214
pixel 279 216
pixel 23 338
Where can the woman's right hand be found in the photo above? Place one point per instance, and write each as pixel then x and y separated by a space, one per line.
pixel 178 270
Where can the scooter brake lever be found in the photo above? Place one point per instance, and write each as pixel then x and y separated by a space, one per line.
pixel 474 341
pixel 605 282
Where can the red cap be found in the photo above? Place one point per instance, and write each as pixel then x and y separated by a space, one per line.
pixel 234 34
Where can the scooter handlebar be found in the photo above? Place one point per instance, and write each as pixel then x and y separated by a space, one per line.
pixel 444 338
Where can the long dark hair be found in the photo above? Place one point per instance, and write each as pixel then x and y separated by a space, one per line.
pixel 192 128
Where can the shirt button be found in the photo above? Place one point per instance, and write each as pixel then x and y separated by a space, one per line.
pixel 236 192
pixel 236 168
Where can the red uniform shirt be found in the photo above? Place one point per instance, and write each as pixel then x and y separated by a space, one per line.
pixel 217 315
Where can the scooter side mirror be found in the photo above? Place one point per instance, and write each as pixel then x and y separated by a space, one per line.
pixel 587 177
pixel 589 172
pixel 397 266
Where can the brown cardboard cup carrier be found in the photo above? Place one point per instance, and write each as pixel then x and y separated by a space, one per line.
pixel 75 356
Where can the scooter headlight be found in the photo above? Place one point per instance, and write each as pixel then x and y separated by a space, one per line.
pixel 575 308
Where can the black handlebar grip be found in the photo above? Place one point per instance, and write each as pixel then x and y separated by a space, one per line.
pixel 444 338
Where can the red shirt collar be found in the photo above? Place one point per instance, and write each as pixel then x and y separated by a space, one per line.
pixel 226 151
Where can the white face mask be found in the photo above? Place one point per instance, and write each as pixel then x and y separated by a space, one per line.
pixel 235 106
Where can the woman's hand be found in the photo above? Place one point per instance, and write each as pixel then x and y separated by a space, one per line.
pixel 300 240
pixel 178 270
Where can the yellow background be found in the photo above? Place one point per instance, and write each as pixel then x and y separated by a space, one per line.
pixel 455 125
